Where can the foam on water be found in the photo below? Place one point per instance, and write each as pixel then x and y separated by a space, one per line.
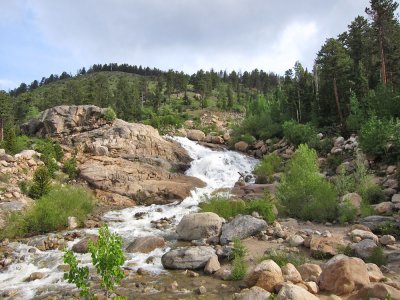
pixel 218 169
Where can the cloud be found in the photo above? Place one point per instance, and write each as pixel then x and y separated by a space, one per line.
pixel 180 34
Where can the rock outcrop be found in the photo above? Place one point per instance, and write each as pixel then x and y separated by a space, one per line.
pixel 124 162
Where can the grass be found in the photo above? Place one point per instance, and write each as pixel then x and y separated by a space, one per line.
pixel 282 258
pixel 377 257
pixel 50 212
pixel 228 208
pixel 239 268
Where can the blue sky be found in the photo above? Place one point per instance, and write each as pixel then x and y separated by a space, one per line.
pixel 40 37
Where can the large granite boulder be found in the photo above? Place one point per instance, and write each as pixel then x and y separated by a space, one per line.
pixel 199 226
pixel 241 227
pixel 191 258
pixel 145 244
pixel 344 276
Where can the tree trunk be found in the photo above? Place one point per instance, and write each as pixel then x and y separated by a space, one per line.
pixel 337 100
pixel 383 62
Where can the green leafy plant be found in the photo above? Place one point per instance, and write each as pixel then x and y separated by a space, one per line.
pixel 269 165
pixel 41 183
pixel 239 267
pixel 70 168
pixel 109 114
pixel 50 153
pixel 375 135
pixel 77 275
pixel 377 257
pixel 303 193
pixel 300 133
pixel 347 212
pixel 108 257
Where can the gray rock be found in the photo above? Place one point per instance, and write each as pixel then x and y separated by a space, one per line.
pixel 196 135
pixel 145 244
pixel 199 226
pixel 83 245
pixel 372 222
pixel 296 240
pixel 241 227
pixel 187 257
pixel 365 248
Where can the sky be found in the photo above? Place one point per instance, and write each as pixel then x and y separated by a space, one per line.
pixel 41 37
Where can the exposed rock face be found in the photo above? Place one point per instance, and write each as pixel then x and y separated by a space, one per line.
pixel 241 227
pixel 199 226
pixel 63 120
pixel 126 160
pixel 344 276
pixel 187 257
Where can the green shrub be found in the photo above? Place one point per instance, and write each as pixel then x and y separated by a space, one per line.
pixel 109 114
pixel 373 194
pixel 377 257
pixel 51 152
pixel 281 258
pixel 344 183
pixel 51 212
pixel 70 168
pixel 324 146
pixel 228 208
pixel 12 142
pixel 389 228
pixel 366 209
pixel 41 183
pixel 347 212
pixel 375 135
pixel 300 133
pixel 267 167
pixel 239 267
pixel 107 257
pixel 303 193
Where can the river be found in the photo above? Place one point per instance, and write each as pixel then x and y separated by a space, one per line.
pixel 218 169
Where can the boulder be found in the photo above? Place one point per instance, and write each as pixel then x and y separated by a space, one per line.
pixel 377 291
pixel 145 244
pixel 344 276
pixel 196 135
pixel 353 198
pixel 327 246
pixel 212 265
pixel 241 146
pixel 363 234
pixel 241 227
pixel 197 226
pixel 291 274
pixel 36 276
pixel 384 208
pixel 364 248
pixel 309 272
pixel 387 240
pixel 83 245
pixel 266 275
pixel 254 293
pixel 372 222
pixel 375 274
pixel 294 292
pixel 187 257
pixel 73 223
pixel 296 240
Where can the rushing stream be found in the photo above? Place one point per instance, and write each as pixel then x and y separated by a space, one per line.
pixel 218 169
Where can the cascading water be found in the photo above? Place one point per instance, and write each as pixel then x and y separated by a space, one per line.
pixel 218 169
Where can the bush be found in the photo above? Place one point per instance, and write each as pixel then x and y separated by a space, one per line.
pixel 375 135
pixel 109 114
pixel 50 153
pixel 347 212
pixel 40 184
pixel 51 212
pixel 344 183
pixel 13 143
pixel 228 208
pixel 266 168
pixel 303 193
pixel 107 257
pixel 239 267
pixel 70 168
pixel 300 133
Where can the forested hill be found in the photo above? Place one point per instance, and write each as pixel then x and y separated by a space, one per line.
pixel 356 76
